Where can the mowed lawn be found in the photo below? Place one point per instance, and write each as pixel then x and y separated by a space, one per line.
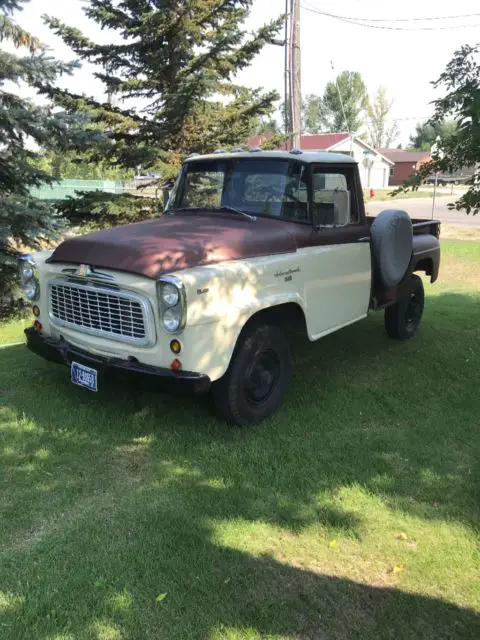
pixel 385 194
pixel 354 513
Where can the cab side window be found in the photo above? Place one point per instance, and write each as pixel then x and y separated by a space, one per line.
pixel 333 200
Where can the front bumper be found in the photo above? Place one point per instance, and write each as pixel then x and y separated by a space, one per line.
pixel 142 375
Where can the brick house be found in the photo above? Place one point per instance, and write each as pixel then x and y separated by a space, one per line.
pixel 405 163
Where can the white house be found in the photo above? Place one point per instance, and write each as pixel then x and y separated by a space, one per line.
pixel 374 166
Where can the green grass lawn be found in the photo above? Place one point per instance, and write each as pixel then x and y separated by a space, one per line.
pixel 384 194
pixel 12 332
pixel 354 513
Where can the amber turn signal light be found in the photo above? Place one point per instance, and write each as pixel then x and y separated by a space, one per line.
pixel 35 310
pixel 176 365
pixel 175 346
pixel 37 325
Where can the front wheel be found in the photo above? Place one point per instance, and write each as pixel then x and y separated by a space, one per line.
pixel 256 381
pixel 403 318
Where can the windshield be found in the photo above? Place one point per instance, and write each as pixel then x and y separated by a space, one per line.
pixel 254 186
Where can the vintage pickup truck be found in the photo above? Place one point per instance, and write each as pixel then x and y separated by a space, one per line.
pixel 250 243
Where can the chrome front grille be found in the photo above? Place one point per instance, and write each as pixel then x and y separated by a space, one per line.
pixel 102 311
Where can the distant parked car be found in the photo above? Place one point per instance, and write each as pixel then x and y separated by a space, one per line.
pixel 442 180
pixel 147 176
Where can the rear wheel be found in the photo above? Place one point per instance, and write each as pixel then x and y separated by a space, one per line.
pixel 403 318
pixel 256 381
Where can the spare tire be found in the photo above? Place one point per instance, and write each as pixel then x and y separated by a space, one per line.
pixel 392 245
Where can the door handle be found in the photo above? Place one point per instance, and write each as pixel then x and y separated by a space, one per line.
pixel 365 239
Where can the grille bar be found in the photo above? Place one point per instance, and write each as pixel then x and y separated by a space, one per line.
pixel 111 313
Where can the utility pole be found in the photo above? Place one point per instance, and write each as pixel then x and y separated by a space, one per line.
pixel 296 96
pixel 286 94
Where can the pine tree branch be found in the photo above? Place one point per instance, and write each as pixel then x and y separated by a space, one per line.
pixel 9 30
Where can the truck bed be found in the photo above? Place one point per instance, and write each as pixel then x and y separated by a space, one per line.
pixel 425 257
pixel 421 226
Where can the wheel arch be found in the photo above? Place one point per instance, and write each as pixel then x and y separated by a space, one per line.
pixel 426 265
pixel 288 315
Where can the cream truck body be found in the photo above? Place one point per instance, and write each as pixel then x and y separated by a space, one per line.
pixel 323 276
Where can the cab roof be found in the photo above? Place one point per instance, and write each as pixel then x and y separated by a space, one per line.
pixel 322 157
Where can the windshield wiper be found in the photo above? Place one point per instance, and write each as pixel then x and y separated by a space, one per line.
pixel 178 209
pixel 224 207
pixel 221 208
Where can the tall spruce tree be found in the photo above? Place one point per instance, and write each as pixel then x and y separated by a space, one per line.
pixel 170 70
pixel 24 128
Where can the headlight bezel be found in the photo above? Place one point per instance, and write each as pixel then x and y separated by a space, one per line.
pixel 179 307
pixel 29 275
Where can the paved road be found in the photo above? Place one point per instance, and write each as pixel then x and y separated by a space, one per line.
pixel 422 208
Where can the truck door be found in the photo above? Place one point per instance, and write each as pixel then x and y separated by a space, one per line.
pixel 337 260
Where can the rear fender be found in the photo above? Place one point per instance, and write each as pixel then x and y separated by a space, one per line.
pixel 426 255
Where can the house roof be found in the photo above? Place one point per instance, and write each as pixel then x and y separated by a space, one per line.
pixel 329 142
pixel 361 142
pixel 399 155
pixel 321 141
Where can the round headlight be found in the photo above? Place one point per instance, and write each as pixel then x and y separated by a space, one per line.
pixel 170 295
pixel 31 288
pixel 172 319
pixel 26 272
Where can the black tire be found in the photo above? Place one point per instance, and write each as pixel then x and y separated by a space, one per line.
pixel 256 380
pixel 403 318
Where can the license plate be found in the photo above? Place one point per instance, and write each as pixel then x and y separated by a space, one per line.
pixel 84 376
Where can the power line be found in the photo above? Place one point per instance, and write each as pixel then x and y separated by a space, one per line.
pixel 378 26
pixel 405 119
pixel 429 18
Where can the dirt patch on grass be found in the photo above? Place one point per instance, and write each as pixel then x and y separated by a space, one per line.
pixel 456 270
pixel 453 232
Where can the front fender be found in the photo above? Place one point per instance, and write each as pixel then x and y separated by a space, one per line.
pixel 220 301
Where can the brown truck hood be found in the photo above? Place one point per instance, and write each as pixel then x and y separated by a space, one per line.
pixel 175 242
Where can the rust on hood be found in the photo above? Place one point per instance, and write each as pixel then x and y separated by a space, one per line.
pixel 174 242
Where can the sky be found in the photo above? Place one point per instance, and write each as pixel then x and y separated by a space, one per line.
pixel 403 61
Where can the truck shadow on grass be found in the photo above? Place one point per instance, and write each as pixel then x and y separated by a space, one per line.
pixel 154 574
pixel 105 507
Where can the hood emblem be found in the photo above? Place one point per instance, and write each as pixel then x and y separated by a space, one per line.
pixel 84 270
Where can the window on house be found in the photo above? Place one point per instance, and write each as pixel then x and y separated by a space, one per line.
pixel 392 170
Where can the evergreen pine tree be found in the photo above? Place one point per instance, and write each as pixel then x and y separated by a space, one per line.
pixel 170 77
pixel 25 128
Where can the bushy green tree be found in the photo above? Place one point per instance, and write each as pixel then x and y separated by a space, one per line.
pixel 326 114
pixel 459 149
pixel 313 114
pixel 171 66
pixel 76 165
pixel 24 128
pixel 426 134
pixel 381 134
pixel 268 126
